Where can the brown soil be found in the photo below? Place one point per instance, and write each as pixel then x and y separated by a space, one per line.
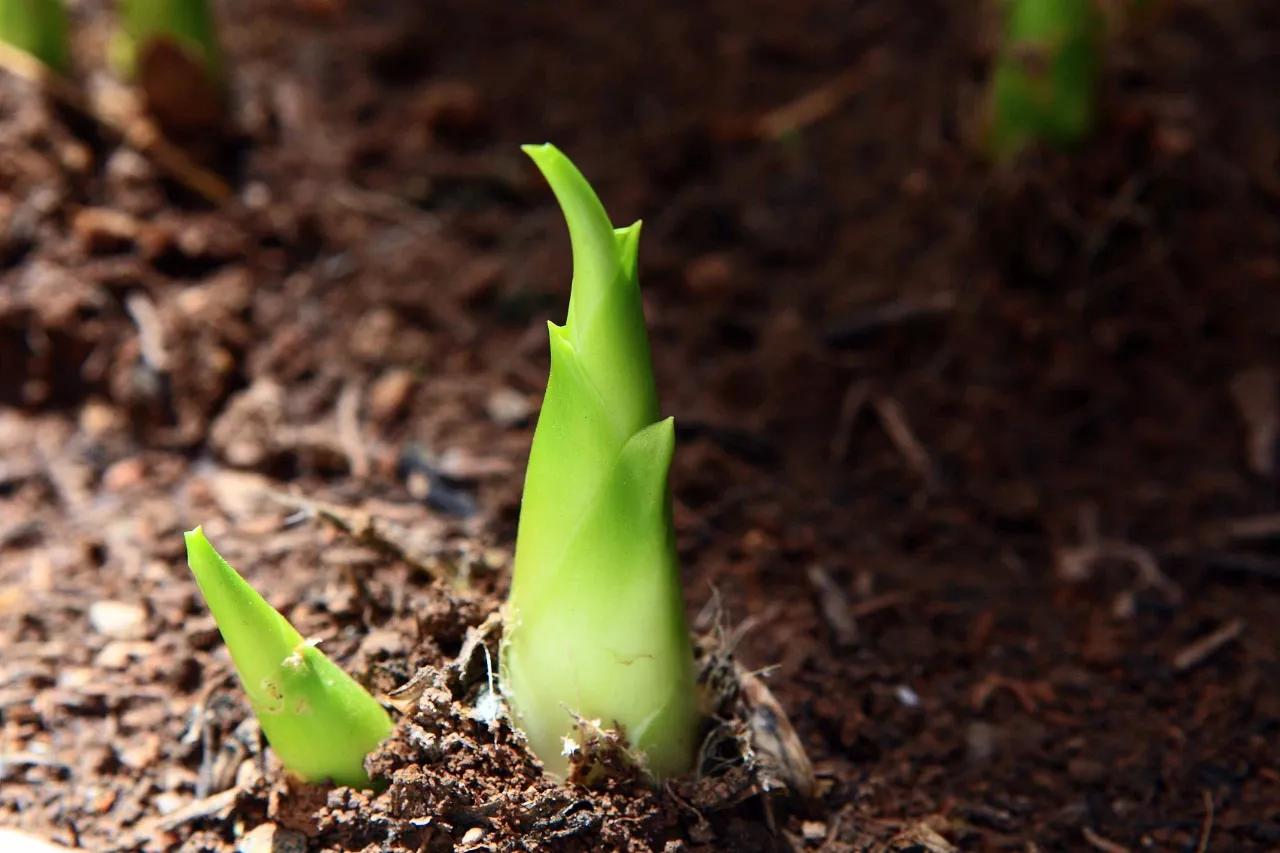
pixel 982 463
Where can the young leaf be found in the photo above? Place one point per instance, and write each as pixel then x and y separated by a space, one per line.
pixel 37 27
pixel 319 721
pixel 595 620
pixel 1043 85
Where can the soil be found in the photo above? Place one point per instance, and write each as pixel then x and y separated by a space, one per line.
pixel 976 467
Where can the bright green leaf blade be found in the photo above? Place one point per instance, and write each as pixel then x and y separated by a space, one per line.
pixel 39 28
pixel 320 721
pixel 574 445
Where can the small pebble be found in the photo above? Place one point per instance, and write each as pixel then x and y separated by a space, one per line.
pixel 256 196
pixel 1087 771
pixel 118 619
pixel 119 654
pixel 474 835
pixel 508 407
pixel 813 831
pixel 168 803
pixel 390 394
pixel 98 419
pixel 102 230
pixel 124 474
pixel 128 166
pixel 709 275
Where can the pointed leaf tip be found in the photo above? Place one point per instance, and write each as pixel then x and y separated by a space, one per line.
pixel 595 251
pixel 320 721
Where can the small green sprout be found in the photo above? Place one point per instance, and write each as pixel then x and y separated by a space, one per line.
pixel 319 721
pixel 595 622
pixel 169 48
pixel 1043 85
pixel 38 28
pixel 184 25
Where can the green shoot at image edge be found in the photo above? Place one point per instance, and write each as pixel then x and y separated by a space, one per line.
pixel 38 28
pixel 186 25
pixel 595 621
pixel 319 720
pixel 1042 87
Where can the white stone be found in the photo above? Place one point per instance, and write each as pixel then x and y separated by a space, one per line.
pixel 118 619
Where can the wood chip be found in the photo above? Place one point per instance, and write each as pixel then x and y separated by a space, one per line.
pixel 774 739
pixel 920 838
pixel 219 804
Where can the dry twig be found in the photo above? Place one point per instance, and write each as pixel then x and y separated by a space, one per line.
pixel 1206 828
pixel 347 416
pixel 834 605
pixel 380 534
pixel 1200 651
pixel 151 337
pixel 855 399
pixel 1097 842
pixel 1077 563
pixel 894 421
pixel 817 104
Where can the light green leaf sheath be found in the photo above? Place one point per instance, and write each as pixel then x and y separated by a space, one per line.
pixel 37 27
pixel 1044 79
pixel 595 622
pixel 319 721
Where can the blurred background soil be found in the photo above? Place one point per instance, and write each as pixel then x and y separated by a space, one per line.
pixel 981 462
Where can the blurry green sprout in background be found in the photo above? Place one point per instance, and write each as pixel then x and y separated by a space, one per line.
pixel 169 48
pixel 1043 84
pixel 185 27
pixel 319 721
pixel 595 622
pixel 38 28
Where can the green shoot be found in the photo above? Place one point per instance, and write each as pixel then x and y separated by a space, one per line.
pixel 595 622
pixel 38 28
pixel 319 721
pixel 184 25
pixel 1043 85
pixel 169 48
